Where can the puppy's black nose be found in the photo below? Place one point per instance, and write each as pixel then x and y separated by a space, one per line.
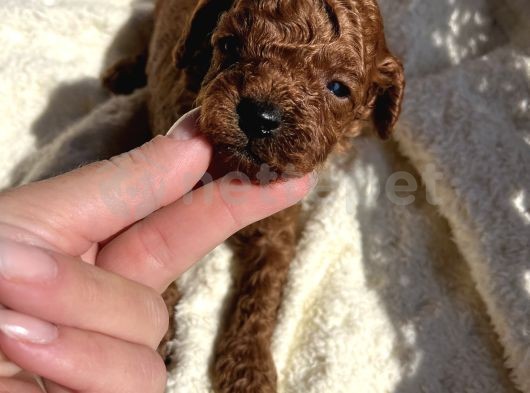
pixel 258 119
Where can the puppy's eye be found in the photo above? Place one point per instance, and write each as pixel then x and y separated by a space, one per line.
pixel 339 89
pixel 229 46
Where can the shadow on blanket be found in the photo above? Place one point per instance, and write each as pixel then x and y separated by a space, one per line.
pixel 476 285
pixel 422 318
pixel 426 288
pixel 433 35
pixel 57 130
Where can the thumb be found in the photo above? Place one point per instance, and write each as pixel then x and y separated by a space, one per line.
pixel 70 212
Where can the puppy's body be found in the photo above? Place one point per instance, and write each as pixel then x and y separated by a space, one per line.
pixel 308 72
pixel 263 251
pixel 169 95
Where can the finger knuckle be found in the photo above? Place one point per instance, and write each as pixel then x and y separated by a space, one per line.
pixel 141 165
pixel 91 289
pixel 229 210
pixel 155 245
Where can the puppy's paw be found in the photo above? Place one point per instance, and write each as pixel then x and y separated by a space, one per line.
pixel 126 75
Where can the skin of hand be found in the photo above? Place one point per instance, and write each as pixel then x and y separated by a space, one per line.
pixel 85 256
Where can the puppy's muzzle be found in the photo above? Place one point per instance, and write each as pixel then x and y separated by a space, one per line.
pixel 258 119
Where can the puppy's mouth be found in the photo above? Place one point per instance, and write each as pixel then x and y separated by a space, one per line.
pixel 245 153
pixel 240 158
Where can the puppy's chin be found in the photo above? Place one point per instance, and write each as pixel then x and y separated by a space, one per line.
pixel 242 159
pixel 231 158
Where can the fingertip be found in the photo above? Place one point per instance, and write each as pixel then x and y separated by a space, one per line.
pixel 186 127
pixel 295 189
pixel 313 180
pixel 308 182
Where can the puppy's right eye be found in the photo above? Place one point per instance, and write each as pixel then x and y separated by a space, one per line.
pixel 229 46
pixel 339 89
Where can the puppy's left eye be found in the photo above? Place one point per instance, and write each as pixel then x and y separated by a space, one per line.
pixel 339 89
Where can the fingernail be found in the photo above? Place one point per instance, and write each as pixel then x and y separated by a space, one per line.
pixel 19 262
pixel 186 127
pixel 22 327
pixel 313 179
pixel 8 369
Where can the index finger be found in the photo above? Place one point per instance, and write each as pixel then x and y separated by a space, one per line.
pixel 159 248
pixel 71 212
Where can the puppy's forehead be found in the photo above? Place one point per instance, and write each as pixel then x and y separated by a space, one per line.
pixel 291 22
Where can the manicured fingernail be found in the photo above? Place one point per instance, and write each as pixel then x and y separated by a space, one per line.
pixel 186 127
pixel 20 262
pixel 313 179
pixel 22 327
pixel 8 369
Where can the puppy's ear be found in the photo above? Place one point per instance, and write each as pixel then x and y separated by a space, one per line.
pixel 388 88
pixel 194 47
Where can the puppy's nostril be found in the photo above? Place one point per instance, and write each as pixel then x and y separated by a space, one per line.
pixel 258 119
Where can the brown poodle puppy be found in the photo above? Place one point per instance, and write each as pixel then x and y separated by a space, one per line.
pixel 281 83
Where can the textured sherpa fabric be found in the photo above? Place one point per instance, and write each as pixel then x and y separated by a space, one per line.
pixel 413 269
pixel 51 57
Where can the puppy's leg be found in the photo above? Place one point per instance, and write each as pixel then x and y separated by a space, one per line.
pixel 243 361
pixel 127 54
pixel 126 75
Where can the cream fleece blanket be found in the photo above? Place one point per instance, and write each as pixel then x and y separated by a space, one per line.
pixel 413 270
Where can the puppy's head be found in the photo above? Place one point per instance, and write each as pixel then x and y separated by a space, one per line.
pixel 284 81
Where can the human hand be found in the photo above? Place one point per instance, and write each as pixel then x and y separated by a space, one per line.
pixel 84 258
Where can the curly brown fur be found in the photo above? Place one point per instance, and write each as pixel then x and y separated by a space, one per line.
pixel 243 362
pixel 277 57
pixel 171 297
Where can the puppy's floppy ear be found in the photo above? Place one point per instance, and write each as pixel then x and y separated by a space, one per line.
pixel 194 47
pixel 388 88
